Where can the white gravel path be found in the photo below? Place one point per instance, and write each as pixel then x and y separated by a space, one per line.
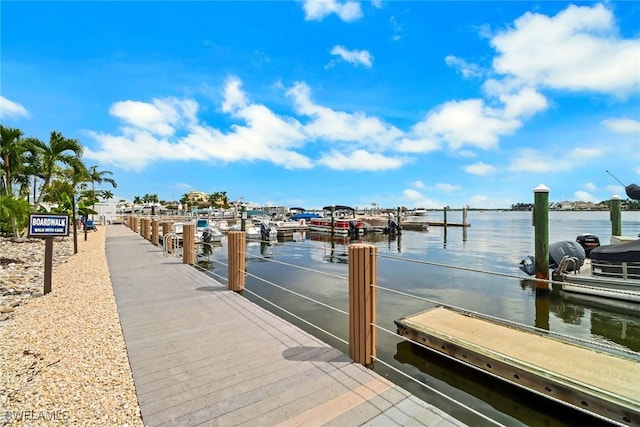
pixel 63 359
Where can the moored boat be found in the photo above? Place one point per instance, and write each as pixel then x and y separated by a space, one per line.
pixel 609 271
pixel 341 226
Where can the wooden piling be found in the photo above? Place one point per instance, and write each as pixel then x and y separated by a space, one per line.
pixel 167 242
pixel 541 224
pixel 189 244
pixel 363 266
pixel 615 216
pixel 146 228
pixel 237 246
pixel 154 232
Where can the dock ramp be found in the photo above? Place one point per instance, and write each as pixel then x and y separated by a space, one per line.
pixel 600 383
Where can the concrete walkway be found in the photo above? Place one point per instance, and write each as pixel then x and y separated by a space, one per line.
pixel 203 355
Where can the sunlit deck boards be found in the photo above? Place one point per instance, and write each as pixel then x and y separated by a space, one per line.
pixel 598 382
pixel 202 355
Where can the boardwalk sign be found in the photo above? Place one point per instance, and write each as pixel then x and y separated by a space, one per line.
pixel 48 225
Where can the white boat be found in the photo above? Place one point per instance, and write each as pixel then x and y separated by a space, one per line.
pixel 342 226
pixel 611 271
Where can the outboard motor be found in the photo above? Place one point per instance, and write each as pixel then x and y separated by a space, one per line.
pixel 588 242
pixel 393 227
pixel 265 231
pixel 206 235
pixel 557 251
pixel 353 229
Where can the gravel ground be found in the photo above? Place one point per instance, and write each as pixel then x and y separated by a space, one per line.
pixel 63 359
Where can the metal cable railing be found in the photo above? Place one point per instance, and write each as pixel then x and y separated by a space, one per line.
pixel 419 344
pixel 506 275
pixel 248 255
pixel 509 322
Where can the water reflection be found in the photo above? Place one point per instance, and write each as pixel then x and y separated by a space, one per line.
pixel 523 406
pixel 614 321
pixel 496 242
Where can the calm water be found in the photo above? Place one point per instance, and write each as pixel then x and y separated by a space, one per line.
pixel 495 242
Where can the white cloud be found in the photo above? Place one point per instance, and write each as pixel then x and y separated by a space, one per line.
pixel 360 160
pixel 234 97
pixel 479 168
pixel 397 29
pixel 530 160
pixel 419 200
pixel 525 103
pixel 447 188
pixel 590 186
pixel 354 57
pixel 622 125
pixel 333 125
pixel 150 129
pixel 317 10
pixel 468 70
pixel 577 49
pixel 10 109
pixel 418 145
pixel 418 184
pixel 578 154
pixel 469 122
pixel 479 201
pixel 583 196
pixel 159 117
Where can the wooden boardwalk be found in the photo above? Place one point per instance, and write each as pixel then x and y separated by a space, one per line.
pixel 203 355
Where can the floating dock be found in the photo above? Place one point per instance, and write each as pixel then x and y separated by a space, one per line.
pixel 602 384
pixel 448 224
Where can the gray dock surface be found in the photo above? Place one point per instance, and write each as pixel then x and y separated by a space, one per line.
pixel 203 355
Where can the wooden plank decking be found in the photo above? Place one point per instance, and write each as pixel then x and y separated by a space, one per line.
pixel 203 355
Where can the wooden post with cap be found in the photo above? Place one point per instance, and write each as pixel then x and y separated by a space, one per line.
pixel 363 266
pixel 188 244
pixel 237 246
pixel 154 232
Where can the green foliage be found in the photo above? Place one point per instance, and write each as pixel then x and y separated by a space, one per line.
pixel 14 215
pixel 65 205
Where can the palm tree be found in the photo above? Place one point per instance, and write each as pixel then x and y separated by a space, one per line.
pixel 98 177
pixel 106 194
pixel 60 150
pixel 12 150
pixel 136 201
pixel 13 208
pixel 153 198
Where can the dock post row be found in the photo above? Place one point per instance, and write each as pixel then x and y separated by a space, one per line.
pixel 362 279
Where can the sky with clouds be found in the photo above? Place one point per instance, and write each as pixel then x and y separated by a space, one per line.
pixel 312 103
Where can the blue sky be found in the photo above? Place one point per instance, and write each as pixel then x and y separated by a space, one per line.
pixel 312 103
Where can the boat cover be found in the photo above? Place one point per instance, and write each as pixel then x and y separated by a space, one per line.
pixel 633 191
pixel 559 250
pixel 621 252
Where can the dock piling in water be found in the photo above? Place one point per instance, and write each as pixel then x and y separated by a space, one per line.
pixel 541 224
pixel 616 216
